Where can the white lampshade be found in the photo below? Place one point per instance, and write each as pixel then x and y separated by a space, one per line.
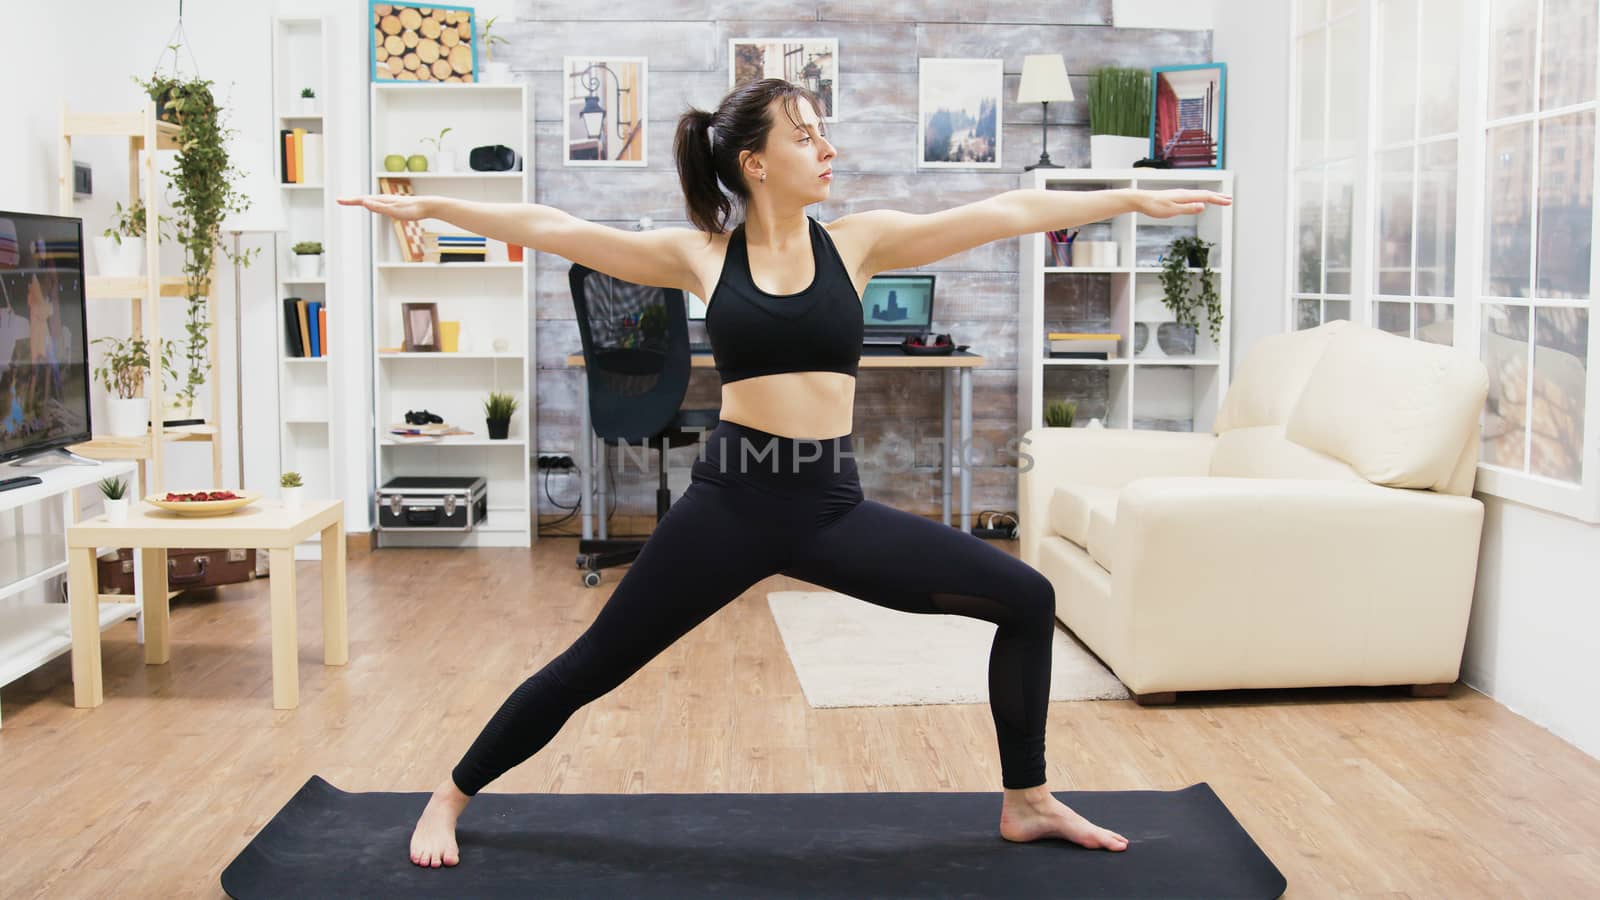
pixel 1044 79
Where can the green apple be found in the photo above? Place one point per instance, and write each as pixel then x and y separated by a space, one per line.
pixel 416 162
pixel 394 162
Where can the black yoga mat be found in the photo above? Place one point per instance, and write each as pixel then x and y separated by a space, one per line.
pixel 330 843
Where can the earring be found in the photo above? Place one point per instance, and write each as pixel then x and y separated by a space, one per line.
pixel 763 176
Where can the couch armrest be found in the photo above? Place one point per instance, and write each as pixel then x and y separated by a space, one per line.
pixel 1097 457
pixel 1274 580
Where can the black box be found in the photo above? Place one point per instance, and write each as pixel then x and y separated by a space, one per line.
pixel 432 503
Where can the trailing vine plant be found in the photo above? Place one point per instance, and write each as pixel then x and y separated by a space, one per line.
pixel 206 180
pixel 1175 281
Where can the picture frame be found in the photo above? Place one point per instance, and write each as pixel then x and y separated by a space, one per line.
pixel 1200 89
pixel 605 111
pixel 812 63
pixel 956 98
pixel 421 327
pixel 424 43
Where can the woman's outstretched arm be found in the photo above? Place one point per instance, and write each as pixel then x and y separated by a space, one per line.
pixel 901 240
pixel 659 257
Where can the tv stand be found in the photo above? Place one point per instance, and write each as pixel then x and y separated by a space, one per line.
pixel 50 459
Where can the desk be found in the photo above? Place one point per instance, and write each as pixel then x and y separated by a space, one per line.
pixel 152 531
pixel 955 366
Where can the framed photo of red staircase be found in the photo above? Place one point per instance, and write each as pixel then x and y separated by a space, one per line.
pixel 1187 114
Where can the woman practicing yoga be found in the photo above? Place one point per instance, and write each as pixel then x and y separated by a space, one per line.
pixel 776 488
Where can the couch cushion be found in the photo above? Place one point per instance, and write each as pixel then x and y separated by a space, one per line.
pixel 1102 528
pixel 1271 376
pixel 1397 410
pixel 1264 452
pixel 1070 506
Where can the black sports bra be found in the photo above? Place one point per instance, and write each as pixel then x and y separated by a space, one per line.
pixel 755 333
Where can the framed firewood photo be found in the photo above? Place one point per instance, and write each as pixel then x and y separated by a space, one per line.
pixel 422 43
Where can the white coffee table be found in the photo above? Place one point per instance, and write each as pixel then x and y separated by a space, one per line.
pixel 152 531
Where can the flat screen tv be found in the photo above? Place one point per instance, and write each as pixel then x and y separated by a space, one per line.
pixel 44 370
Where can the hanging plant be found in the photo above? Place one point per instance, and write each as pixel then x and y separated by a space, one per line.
pixel 1185 252
pixel 206 181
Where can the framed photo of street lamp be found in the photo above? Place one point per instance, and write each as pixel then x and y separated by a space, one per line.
pixel 958 113
pixel 1187 112
pixel 811 63
pixel 604 111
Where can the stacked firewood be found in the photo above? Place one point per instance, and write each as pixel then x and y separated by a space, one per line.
pixel 422 43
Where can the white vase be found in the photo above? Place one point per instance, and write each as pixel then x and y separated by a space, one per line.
pixel 1116 151
pixel 495 73
pixel 116 510
pixel 122 260
pixel 447 160
pixel 305 106
pixel 308 265
pixel 127 417
pixel 291 497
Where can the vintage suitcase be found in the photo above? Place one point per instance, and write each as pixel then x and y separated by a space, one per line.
pixel 432 503
pixel 186 569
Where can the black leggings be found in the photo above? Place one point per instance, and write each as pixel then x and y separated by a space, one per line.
pixel 760 504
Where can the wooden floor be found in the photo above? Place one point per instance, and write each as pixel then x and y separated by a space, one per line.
pixel 1360 792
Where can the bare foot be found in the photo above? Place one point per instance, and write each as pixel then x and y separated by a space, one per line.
pixel 1034 813
pixel 433 843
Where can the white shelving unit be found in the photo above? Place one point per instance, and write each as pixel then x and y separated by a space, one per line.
pixel 492 301
pixel 308 439
pixel 32 634
pixel 1153 381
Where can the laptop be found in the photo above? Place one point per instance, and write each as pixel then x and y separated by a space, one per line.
pixel 893 308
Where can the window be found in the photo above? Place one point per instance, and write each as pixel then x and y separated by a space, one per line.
pixel 1443 189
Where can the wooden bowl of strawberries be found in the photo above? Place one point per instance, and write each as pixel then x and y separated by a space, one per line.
pixel 203 503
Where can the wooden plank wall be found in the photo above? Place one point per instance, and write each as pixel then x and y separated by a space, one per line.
pixel 897 415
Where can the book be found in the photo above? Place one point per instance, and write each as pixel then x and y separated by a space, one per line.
pixel 312 309
pixel 305 331
pixel 299 156
pixel 311 156
pixel 291 327
pixel 322 328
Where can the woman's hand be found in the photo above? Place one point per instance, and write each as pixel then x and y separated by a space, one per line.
pixel 396 206
pixel 1177 202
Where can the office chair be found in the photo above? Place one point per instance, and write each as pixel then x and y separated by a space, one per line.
pixel 636 360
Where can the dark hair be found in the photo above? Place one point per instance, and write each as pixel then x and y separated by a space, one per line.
pixel 741 122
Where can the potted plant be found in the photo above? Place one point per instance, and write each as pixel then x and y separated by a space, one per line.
pixel 290 485
pixel 492 72
pixel 1183 253
pixel 497 412
pixel 121 372
pixel 207 184
pixel 1119 117
pixel 307 259
pixel 306 103
pixel 1060 414
pixel 120 248
pixel 115 493
pixel 444 160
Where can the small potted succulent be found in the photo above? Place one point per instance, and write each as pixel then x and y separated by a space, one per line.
pixel 115 493
pixel 306 103
pixel 497 412
pixel 307 259
pixel 1060 414
pixel 290 485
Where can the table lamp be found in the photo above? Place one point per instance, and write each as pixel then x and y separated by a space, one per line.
pixel 1044 78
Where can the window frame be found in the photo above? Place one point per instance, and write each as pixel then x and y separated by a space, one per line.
pixel 1579 500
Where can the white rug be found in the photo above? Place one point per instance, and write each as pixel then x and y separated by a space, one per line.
pixel 848 652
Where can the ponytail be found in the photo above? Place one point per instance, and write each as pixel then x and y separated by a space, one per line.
pixel 709 208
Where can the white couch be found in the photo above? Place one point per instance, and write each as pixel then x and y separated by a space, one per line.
pixel 1325 534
